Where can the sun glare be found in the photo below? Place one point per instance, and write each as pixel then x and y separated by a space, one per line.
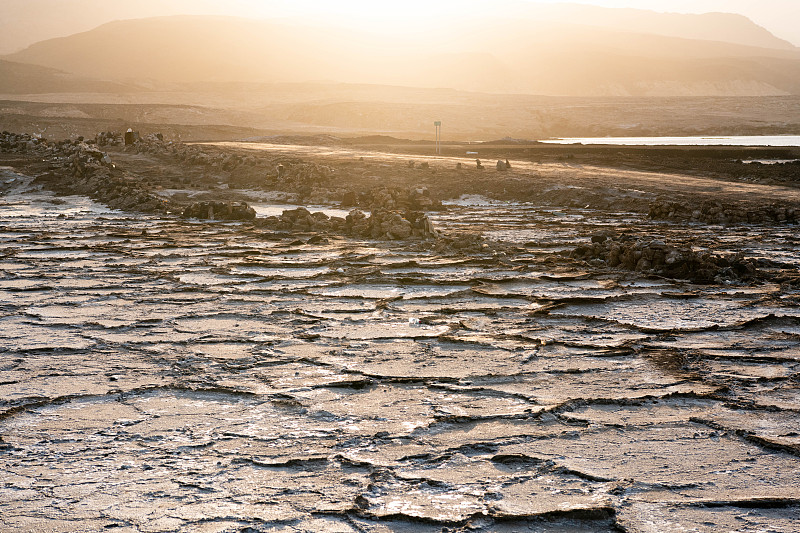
pixel 396 17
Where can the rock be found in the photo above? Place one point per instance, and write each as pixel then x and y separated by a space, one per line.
pixel 337 223
pixel 349 199
pixel 317 239
pixel 355 215
pixel 427 227
pixel 219 211
pixel 400 229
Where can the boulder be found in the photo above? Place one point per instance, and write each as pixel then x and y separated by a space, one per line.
pixel 219 211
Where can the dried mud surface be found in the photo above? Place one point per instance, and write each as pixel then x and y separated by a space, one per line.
pixel 161 374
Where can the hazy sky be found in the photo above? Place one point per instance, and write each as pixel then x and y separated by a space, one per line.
pixel 781 17
pixel 23 22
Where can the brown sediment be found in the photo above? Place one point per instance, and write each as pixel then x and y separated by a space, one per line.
pixel 160 373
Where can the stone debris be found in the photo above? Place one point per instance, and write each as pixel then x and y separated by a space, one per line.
pixel 109 138
pixel 80 167
pixel 219 211
pixel 714 212
pixel 415 198
pixel 655 256
pixel 380 224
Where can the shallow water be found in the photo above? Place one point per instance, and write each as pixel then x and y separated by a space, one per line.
pixel 164 375
pixel 770 161
pixel 732 140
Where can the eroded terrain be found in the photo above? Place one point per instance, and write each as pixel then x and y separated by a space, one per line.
pixel 161 374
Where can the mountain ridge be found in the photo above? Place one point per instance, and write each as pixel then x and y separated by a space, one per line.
pixel 525 57
pixel 23 78
pixel 715 26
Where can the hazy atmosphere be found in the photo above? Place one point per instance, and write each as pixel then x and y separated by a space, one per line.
pixel 28 21
pixel 399 267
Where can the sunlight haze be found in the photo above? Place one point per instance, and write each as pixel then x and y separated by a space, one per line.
pixel 778 16
pixel 602 48
pixel 25 21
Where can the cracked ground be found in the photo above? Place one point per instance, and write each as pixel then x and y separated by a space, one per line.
pixel 167 375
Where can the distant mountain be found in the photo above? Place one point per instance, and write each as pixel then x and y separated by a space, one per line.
pixel 192 49
pixel 25 22
pixel 722 27
pixel 20 78
pixel 594 54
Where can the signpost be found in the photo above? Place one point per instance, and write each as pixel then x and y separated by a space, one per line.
pixel 438 126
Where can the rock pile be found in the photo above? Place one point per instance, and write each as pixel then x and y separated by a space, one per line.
pixel 313 183
pixel 21 143
pixel 219 211
pixel 78 167
pixel 715 212
pixel 384 225
pixel 395 198
pixel 302 220
pixel 389 225
pixel 108 138
pixel 657 257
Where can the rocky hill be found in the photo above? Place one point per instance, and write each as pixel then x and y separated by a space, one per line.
pixel 591 53
pixel 22 78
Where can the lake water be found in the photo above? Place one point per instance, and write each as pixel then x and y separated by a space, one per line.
pixel 770 161
pixel 742 140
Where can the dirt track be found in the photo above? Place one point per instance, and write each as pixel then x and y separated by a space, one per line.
pixel 564 173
